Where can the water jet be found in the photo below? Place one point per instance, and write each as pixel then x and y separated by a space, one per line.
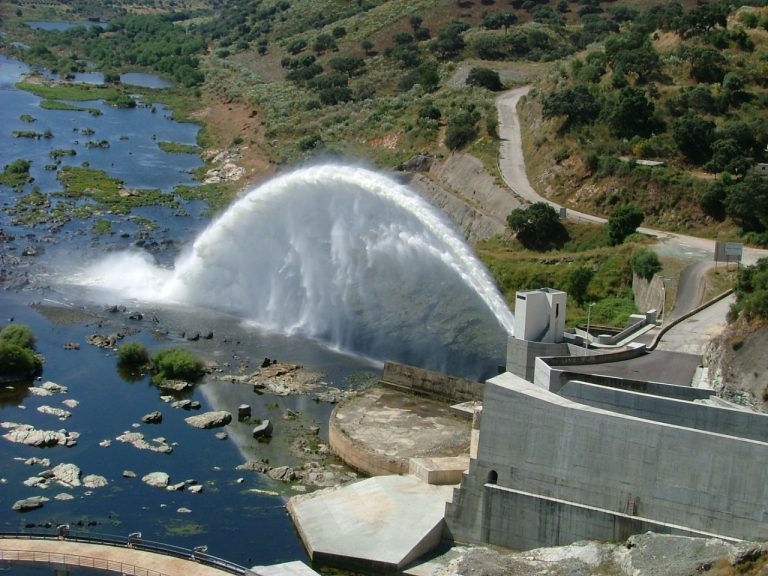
pixel 343 255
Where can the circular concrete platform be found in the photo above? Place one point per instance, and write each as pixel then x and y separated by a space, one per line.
pixel 378 431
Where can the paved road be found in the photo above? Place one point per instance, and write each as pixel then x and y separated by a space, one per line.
pixel 699 251
pixel 693 334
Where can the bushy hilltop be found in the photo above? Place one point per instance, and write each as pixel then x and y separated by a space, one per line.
pixel 383 80
pixel 683 89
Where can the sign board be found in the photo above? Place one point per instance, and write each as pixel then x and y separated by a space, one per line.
pixel 728 251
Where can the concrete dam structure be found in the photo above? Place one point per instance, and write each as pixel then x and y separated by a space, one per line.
pixel 566 456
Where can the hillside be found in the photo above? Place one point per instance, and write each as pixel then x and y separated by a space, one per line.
pixel 284 82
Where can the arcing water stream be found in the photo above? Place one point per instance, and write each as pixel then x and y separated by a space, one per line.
pixel 339 254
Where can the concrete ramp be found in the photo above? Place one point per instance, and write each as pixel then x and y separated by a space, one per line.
pixel 379 524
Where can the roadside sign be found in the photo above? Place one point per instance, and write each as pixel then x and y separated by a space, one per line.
pixel 728 251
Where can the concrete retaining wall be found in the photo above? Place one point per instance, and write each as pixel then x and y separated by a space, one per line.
pixel 522 355
pixel 522 521
pixel 654 388
pixel 430 384
pixel 671 411
pixel 534 441
pixel 647 294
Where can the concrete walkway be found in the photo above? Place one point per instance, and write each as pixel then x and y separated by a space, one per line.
pixel 59 553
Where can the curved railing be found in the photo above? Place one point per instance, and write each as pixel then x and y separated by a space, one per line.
pixel 71 560
pixel 135 542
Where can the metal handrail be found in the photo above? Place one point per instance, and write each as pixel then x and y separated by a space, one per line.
pixel 137 544
pixel 65 559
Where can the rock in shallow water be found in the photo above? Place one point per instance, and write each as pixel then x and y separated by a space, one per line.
pixel 31 503
pixel 156 479
pixel 210 419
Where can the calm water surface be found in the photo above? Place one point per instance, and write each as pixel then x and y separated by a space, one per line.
pixel 238 515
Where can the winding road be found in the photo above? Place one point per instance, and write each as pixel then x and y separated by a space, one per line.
pixel 698 251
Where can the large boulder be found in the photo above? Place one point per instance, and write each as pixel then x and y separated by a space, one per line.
pixel 29 503
pixel 263 430
pixel 156 479
pixel 153 417
pixel 94 481
pixel 67 475
pixel 210 419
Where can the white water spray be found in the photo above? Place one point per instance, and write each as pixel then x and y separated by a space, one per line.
pixel 344 255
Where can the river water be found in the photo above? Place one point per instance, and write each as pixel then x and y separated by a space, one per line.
pixel 243 522
pixel 240 515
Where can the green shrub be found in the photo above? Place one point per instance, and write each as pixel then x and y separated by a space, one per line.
pixel 645 263
pixel 18 335
pixel 132 354
pixel 485 78
pixel 16 361
pixel 175 364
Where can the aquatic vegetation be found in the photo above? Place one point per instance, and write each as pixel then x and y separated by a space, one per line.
pixel 178 148
pixel 60 152
pixel 16 174
pixel 108 192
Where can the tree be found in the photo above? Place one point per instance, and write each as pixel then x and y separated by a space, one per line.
pixel 348 65
pixel 17 362
pixel 17 352
pixel 707 64
pixel 450 41
pixel 497 20
pixel 578 283
pixel 728 156
pixel 632 53
pixel 645 263
pixel 623 222
pixel 175 363
pixel 577 104
pixel 693 136
pixel 752 291
pixel 538 226
pixel 324 42
pixel 633 115
pixel 461 129
pixel 485 78
pixel 18 335
pixel 746 201
pixel 132 354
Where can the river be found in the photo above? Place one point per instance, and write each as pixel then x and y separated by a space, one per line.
pixel 342 236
